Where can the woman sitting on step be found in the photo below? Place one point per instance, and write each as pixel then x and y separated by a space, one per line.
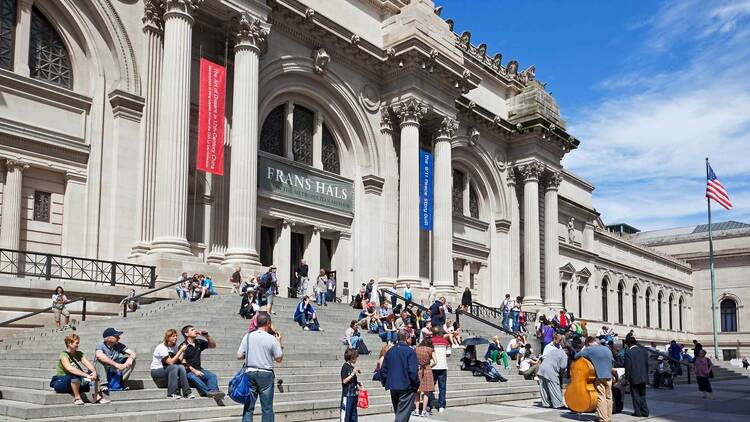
pixel 167 367
pixel 74 373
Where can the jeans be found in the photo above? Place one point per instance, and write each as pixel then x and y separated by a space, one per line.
pixel 205 384
pixel 304 322
pixel 388 336
pixel 261 384
pixel 175 377
pixel 302 288
pixel 105 372
pixel 514 314
pixel 182 294
pixel 354 341
pixel 61 384
pixel 320 298
pixel 349 409
pixel 403 404
pixel 505 319
pixel 441 378
pixel 329 296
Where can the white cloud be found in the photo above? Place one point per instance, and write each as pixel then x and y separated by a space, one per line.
pixel 644 146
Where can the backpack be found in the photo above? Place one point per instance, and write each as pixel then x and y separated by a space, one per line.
pixel 362 348
pixel 265 283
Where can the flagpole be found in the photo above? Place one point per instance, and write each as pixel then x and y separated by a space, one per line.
pixel 713 276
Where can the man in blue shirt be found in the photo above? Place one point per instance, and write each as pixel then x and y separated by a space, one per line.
pixel 601 357
pixel 437 312
pixel 399 371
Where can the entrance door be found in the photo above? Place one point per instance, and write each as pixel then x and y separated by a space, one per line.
pixel 295 256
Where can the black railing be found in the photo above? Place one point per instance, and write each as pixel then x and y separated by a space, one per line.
pixel 489 312
pixel 408 302
pixel 126 300
pixel 47 309
pixel 484 321
pixel 49 266
pixel 666 357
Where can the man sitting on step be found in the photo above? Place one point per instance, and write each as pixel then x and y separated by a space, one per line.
pixel 113 361
pixel 203 379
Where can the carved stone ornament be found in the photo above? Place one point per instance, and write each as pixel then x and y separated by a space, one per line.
pixel 386 122
pixel 411 111
pixel 450 24
pixel 497 120
pixel 369 97
pixel 512 68
pixel 482 49
pixel 390 53
pixel 531 171
pixel 530 74
pixel 309 13
pixel 250 33
pixel 553 180
pixel 320 60
pixel 446 129
pixel 185 7
pixel 354 40
pixel 473 136
pixel 465 40
pixel 497 61
pixel 152 14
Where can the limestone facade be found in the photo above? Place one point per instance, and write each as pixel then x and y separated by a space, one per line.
pixel 346 93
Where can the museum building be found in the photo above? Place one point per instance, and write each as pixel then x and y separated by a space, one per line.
pixel 331 106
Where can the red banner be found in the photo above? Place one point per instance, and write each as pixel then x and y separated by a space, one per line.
pixel 211 118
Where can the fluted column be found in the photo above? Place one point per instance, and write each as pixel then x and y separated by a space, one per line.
pixel 313 252
pixel 514 285
pixel 531 278
pixel 410 112
pixel 442 227
pixel 152 27
pixel 170 235
pixel 552 287
pixel 10 223
pixel 243 184
pixel 283 253
pixel 390 201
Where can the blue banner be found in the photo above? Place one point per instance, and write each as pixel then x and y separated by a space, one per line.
pixel 425 190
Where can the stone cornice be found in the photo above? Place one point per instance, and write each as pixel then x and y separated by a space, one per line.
pixel 126 105
pixel 609 264
pixel 589 211
pixel 373 184
pixel 502 225
pixel 669 259
pixel 508 74
pixel 43 92
pixel 471 222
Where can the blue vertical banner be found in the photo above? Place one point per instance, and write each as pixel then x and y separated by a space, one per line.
pixel 425 190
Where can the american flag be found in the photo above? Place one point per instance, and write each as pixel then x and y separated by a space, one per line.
pixel 715 190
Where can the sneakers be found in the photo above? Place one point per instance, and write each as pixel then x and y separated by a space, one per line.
pixel 103 400
pixel 104 389
pixel 305 328
pixel 425 414
pixel 415 413
pixel 218 395
pixel 190 396
pixel 175 397
pixel 441 410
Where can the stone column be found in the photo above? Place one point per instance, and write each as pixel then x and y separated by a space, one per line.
pixel 283 257
pixel 390 209
pixel 410 112
pixel 552 287
pixel 531 277
pixel 289 131
pixel 466 276
pixel 150 124
pixel 243 185
pixel 312 254
pixel 10 223
pixel 514 285
pixel 74 208
pixel 442 227
pixel 170 235
pixel 22 38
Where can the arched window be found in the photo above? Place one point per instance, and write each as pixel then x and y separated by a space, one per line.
pixel 681 304
pixel 272 132
pixel 648 307
pixel 620 305
pixel 7 32
pixel 48 57
pixel 671 302
pixel 635 305
pixel 473 203
pixel 728 315
pixel 659 300
pixel 302 135
pixel 605 313
pixel 330 153
pixel 458 192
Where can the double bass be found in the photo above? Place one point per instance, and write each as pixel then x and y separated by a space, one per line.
pixel 580 395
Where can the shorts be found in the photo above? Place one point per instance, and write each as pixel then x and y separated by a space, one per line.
pixel 64 311
pixel 269 298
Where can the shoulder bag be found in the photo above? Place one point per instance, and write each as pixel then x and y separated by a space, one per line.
pixel 239 385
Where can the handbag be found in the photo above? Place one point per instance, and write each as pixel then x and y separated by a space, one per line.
pixel 363 400
pixel 84 380
pixel 239 386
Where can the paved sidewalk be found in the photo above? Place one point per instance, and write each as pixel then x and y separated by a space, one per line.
pixel 683 404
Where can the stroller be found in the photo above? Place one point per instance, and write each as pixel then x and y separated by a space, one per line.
pixel 477 368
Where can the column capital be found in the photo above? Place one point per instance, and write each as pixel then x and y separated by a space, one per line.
pixel 287 223
pixel 411 111
pixel 250 34
pixel 531 171
pixel 26 4
pixel 16 164
pixel 386 121
pixel 552 180
pixel 317 229
pixel 446 129
pixel 153 12
pixel 184 8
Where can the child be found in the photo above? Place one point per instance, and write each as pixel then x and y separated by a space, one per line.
pixel 349 386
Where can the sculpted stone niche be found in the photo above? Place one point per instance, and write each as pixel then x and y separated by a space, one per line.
pixel 320 60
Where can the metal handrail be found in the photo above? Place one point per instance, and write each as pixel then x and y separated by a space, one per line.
pixel 49 308
pixel 653 351
pixel 166 286
pixel 483 321
pixel 398 296
pixel 50 266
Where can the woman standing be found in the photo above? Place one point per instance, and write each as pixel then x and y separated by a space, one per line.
pixel 74 373
pixel 466 299
pixel 321 287
pixel 166 365
pixel 425 360
pixel 58 307
pixel 703 367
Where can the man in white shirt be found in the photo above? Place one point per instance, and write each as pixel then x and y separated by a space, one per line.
pixel 260 349
pixel 513 348
pixel 505 307
pixel 552 346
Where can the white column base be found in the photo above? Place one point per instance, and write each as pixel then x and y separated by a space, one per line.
pixel 242 257
pixel 170 246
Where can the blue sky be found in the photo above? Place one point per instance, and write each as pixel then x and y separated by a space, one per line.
pixel 650 88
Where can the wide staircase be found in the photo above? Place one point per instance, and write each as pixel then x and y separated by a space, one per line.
pixel 310 370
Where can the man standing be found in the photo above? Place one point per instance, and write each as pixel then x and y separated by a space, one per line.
pixel 636 374
pixel 506 310
pixel 675 352
pixel 401 377
pixel 182 286
pixel 268 286
pixel 203 379
pixel 601 357
pixel 553 366
pixel 440 370
pixel 697 347
pixel 113 358
pixel 437 312
pixel 302 278
pixel 260 349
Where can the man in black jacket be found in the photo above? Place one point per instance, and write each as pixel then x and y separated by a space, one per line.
pixel 636 373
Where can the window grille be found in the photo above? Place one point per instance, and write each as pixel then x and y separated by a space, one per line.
pixel 7 31
pixel 473 203
pixel 42 202
pixel 302 132
pixel 458 192
pixel 48 57
pixel 272 132
pixel 330 153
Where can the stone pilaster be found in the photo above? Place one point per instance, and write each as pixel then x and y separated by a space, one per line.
pixel 284 263
pixel 530 173
pixel 442 227
pixel 390 210
pixel 74 210
pixel 514 284
pixel 22 38
pixel 552 287
pixel 243 180
pixel 170 235
pixel 313 252
pixel 10 223
pixel 410 112
pixel 152 28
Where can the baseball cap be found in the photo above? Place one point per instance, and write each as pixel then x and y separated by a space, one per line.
pixel 111 332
